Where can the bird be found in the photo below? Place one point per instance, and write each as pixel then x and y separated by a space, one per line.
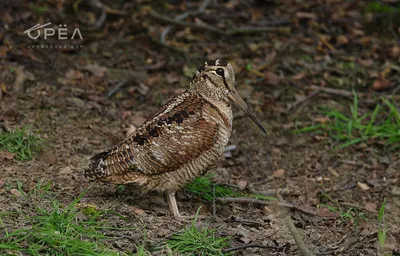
pixel 182 141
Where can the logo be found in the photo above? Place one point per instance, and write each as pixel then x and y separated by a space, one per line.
pixel 60 33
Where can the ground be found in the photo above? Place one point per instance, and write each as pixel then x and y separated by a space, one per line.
pixel 82 101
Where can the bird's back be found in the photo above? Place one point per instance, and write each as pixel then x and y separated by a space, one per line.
pixel 177 144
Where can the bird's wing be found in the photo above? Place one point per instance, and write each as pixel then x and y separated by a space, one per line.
pixel 177 134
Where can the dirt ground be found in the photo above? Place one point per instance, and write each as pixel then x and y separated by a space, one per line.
pixel 86 100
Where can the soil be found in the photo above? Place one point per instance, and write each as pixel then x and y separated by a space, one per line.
pixel 65 94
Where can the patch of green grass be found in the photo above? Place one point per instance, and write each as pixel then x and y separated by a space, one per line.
pixel 22 142
pixel 351 214
pixel 52 228
pixel 197 241
pixel 379 7
pixel 140 250
pixel 382 226
pixel 379 126
pixel 203 187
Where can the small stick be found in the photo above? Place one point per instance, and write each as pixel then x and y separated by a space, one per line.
pixel 246 200
pixel 214 208
pixel 236 31
pixel 294 232
pixel 297 238
pixel 245 221
pixel 348 94
pixel 306 99
pixel 252 246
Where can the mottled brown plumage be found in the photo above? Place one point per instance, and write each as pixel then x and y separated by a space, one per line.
pixel 180 142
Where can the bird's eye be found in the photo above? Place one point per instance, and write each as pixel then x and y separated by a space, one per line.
pixel 220 71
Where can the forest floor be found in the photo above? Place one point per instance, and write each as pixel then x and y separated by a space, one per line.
pixel 134 57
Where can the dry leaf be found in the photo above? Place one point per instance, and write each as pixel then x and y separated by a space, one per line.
pixel 138 211
pixel 365 63
pixel 15 192
pixel 381 83
pixel 96 70
pixel 271 78
pixel 299 76
pixel 306 15
pixel 342 39
pixel 278 173
pixel 73 74
pixel 322 120
pixel 371 207
pixel 5 155
pixel 394 51
pixel 242 184
pixel 363 186
pixel 3 51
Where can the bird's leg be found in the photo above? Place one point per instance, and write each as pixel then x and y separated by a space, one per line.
pixel 173 207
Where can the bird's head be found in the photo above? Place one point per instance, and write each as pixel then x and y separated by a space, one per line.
pixel 216 80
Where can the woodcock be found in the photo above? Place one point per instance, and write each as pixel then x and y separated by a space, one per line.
pixel 182 141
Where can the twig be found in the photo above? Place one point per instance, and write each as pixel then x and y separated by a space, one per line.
pixel 235 31
pixel 395 90
pixel 204 5
pixel 295 233
pixel 297 238
pixel 344 93
pixel 246 200
pixel 349 94
pixel 252 223
pixel 252 246
pixel 164 18
pixel 116 88
pixel 306 99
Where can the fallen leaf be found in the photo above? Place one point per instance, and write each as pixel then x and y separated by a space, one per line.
pixel 306 15
pixel 73 74
pixel 325 212
pixel 143 89
pixel 322 120
pixel 96 70
pixel 342 39
pixel 299 76
pixel 381 83
pixel 245 240
pixel 271 78
pixel 5 155
pixel 15 192
pixel 278 173
pixel 365 63
pixel 3 51
pixel 242 184
pixel 394 52
pixel 138 211
pixel 371 207
pixel 66 170
pixel 333 172
pixel 363 186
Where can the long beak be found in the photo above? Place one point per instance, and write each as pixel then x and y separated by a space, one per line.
pixel 234 96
